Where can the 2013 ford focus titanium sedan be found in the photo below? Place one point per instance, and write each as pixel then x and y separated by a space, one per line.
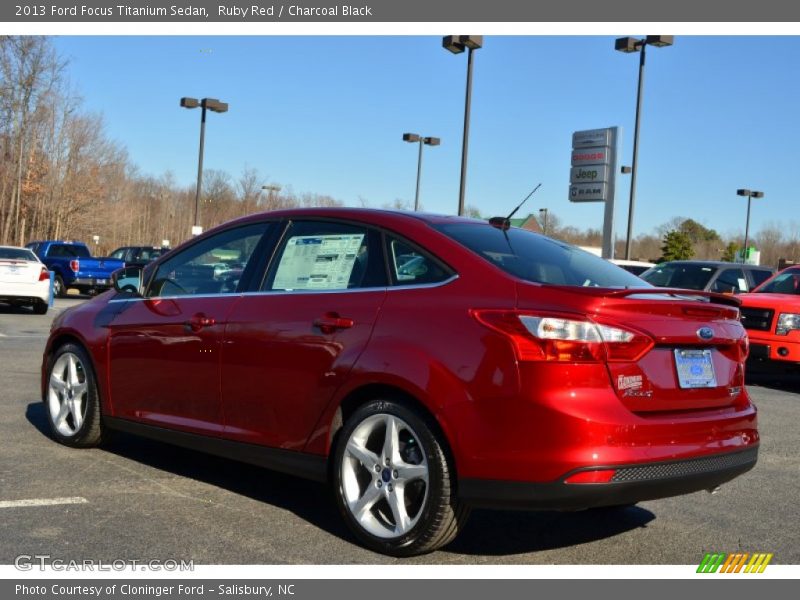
pixel 420 364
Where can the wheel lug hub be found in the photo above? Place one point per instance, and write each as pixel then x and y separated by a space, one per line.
pixel 390 487
pixel 380 483
pixel 395 474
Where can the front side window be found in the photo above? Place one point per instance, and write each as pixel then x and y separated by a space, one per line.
pixel 212 266
pixel 319 256
pixel 539 259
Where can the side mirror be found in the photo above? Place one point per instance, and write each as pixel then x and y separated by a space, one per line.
pixel 128 280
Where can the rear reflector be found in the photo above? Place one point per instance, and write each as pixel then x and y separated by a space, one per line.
pixel 600 476
pixel 555 338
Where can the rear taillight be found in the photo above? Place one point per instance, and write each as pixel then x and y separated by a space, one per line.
pixel 560 339
pixel 74 265
pixel 44 275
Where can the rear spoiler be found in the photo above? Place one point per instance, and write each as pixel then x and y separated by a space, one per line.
pixel 678 293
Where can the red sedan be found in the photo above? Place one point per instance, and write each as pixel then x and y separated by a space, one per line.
pixel 421 364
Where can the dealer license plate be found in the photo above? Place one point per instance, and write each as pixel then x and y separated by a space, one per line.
pixel 695 368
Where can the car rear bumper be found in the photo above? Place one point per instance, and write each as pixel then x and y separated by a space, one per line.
pixel 630 483
pixel 25 292
pixel 91 282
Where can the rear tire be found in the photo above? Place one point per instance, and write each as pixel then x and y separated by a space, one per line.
pixel 40 308
pixel 72 399
pixel 58 287
pixel 393 482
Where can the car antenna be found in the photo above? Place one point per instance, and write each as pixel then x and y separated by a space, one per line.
pixel 505 222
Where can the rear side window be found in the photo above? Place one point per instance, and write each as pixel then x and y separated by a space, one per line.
pixel 319 256
pixel 410 266
pixel 539 259
pixel 730 281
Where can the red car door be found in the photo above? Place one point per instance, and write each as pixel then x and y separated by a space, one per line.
pixel 288 347
pixel 165 347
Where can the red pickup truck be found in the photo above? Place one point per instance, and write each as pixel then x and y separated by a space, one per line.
pixel 771 315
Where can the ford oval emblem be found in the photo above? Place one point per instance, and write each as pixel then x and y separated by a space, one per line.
pixel 705 333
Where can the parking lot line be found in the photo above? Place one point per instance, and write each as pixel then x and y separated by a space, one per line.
pixel 42 502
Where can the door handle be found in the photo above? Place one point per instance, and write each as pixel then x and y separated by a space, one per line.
pixel 331 321
pixel 199 321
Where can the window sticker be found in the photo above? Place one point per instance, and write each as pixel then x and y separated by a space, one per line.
pixel 318 262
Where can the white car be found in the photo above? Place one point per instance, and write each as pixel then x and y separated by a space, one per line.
pixel 24 280
pixel 637 267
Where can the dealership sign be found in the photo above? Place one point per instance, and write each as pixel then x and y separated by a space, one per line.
pixel 589 174
pixel 588 192
pixel 592 176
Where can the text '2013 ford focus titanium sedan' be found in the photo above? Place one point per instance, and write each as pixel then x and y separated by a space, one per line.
pixel 421 364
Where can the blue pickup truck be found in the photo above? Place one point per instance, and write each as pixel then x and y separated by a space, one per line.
pixel 74 266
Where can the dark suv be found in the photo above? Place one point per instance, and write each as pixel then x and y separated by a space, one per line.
pixel 708 275
pixel 138 256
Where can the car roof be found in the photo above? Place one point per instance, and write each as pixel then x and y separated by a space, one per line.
pixel 343 212
pixel 714 263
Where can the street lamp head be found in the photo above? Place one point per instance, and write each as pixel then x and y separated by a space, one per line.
pixel 473 42
pixel 744 192
pixel 432 141
pixel 660 41
pixel 189 102
pixel 215 105
pixel 458 43
pixel 627 44
pixel 410 137
pixel 542 210
pixel 452 43
pixel 757 194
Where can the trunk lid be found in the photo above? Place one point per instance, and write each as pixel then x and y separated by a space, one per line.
pixel 19 271
pixel 697 341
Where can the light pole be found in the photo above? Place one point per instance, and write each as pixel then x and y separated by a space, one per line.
pixel 271 189
pixel 213 105
pixel 627 45
pixel 750 194
pixel 543 213
pixel 429 141
pixel 456 44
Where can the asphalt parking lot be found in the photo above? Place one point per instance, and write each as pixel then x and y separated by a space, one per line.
pixel 145 500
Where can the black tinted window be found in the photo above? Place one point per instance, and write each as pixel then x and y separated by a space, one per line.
pixel 787 282
pixel 760 276
pixel 16 254
pixel 68 250
pixel 680 275
pixel 536 258
pixel 730 281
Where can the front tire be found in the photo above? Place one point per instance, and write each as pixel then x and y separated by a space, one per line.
pixel 393 482
pixel 72 399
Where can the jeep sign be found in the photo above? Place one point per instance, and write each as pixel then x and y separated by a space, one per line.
pixel 591 174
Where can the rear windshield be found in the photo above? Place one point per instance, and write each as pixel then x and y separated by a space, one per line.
pixel 539 259
pixel 787 282
pixel 68 250
pixel 679 275
pixel 16 254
